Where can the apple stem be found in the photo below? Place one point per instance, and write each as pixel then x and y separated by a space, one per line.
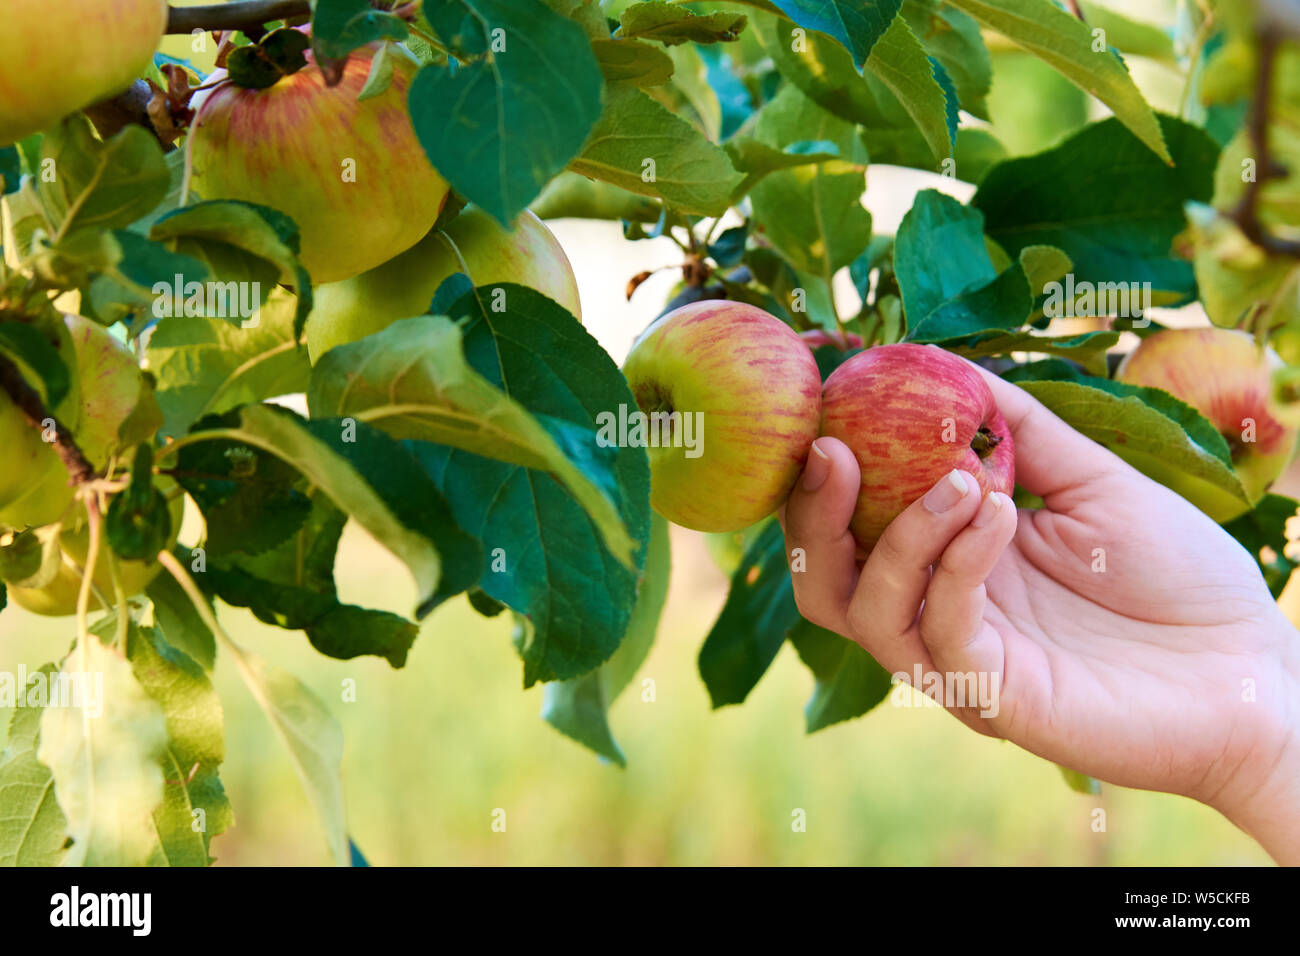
pixel 28 401
pixel 984 442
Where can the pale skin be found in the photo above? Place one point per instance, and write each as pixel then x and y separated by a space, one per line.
pixel 1141 674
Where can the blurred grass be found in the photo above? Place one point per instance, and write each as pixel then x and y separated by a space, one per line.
pixel 433 750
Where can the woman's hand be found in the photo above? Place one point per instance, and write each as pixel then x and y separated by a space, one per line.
pixel 1129 636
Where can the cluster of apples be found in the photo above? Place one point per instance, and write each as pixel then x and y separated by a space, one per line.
pixel 910 413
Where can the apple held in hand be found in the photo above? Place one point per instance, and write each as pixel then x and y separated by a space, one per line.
pixel 351 173
pixel 403 287
pixel 59 56
pixel 1224 375
pixel 912 413
pixel 752 392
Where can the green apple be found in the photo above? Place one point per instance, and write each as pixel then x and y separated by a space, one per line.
pixel 59 56
pixel 911 414
pixel 350 172
pixel 58 598
pixel 403 287
pixel 745 396
pixel 1226 377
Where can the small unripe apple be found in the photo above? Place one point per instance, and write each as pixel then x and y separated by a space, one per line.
pixel 753 394
pixel 59 56
pixel 58 598
pixel 911 414
pixel 350 172
pixel 1226 377
pixel 403 287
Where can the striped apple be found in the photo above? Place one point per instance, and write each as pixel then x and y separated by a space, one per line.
pixel 752 383
pixel 1226 377
pixel 59 56
pixel 350 172
pixel 911 414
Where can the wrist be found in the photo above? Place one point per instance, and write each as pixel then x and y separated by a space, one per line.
pixel 1263 796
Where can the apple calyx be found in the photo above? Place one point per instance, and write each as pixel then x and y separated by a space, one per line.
pixel 984 442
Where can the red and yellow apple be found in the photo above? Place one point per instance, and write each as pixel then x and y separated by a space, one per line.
pixel 911 414
pixel 403 287
pixel 59 56
pixel 1226 377
pixel 843 341
pixel 350 172
pixel 752 388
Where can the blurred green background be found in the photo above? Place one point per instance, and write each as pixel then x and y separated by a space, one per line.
pixel 434 749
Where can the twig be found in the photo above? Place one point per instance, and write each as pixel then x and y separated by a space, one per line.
pixel 234 16
pixel 28 401
pixel 1246 214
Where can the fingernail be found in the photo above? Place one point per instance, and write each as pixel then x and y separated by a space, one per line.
pixel 817 469
pixel 951 489
pixel 989 510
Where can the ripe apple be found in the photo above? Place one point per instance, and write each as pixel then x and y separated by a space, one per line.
pixel 403 287
pixel 58 56
pixel 912 413
pixel 351 173
pixel 1226 377
pixel 843 341
pixel 756 389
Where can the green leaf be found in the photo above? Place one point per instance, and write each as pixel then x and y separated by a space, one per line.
pixel 546 557
pixel 752 625
pixel 33 830
pixel 579 707
pixel 500 127
pixel 855 24
pixel 904 67
pixel 292 586
pixel 39 360
pixel 633 61
pixel 279 432
pixel 412 380
pixel 1131 36
pixel 1080 782
pixel 849 681
pixel 939 253
pixel 570 196
pixel 312 736
pixel 637 137
pixel 1107 202
pixel 1088 349
pixel 670 24
pixel 1047 31
pixel 340 26
pixel 954 39
pixel 195 749
pixel 100 185
pixel 812 213
pixel 1262 532
pixel 208 366
pixel 1163 438
pixel 104 751
pixel 176 617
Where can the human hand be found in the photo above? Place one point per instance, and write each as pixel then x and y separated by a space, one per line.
pixel 1129 636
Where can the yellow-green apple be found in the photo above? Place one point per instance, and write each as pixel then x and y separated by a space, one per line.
pixel 404 286
pixel 911 414
pixel 58 56
pixel 732 395
pixel 1226 377
pixel 34 487
pixel 350 172
pixel 58 597
pixel 107 385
